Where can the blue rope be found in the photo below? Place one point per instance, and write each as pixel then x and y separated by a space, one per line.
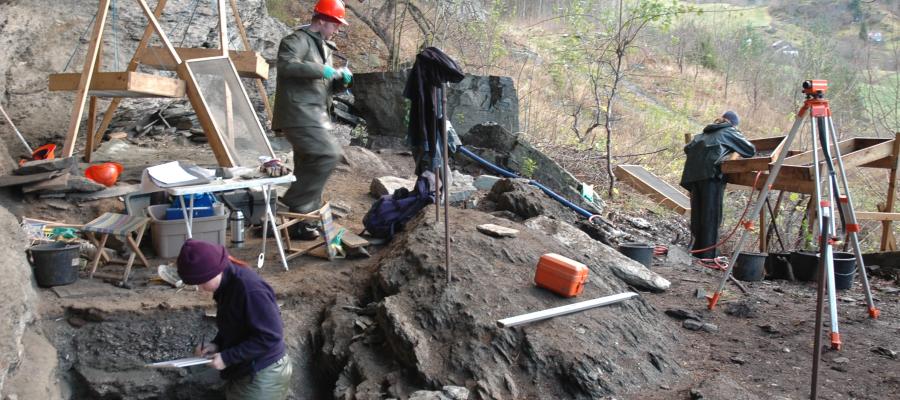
pixel 508 174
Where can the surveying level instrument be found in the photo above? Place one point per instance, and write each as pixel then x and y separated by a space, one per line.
pixel 833 192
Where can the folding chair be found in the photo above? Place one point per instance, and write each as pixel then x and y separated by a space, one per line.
pixel 334 237
pixel 131 228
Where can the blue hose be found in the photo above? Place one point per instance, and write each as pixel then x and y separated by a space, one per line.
pixel 508 174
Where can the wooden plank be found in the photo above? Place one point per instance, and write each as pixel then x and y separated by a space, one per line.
pixel 806 157
pixel 781 182
pixel 735 163
pixel 352 240
pixel 657 189
pixel 122 84
pixel 85 78
pixel 797 167
pixel 877 216
pixel 249 64
pixel 132 66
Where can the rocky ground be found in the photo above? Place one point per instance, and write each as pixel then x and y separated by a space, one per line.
pixel 391 326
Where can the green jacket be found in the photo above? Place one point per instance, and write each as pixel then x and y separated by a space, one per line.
pixel 302 94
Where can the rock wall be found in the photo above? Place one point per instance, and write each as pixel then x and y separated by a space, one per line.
pixel 17 296
pixel 477 99
pixel 37 38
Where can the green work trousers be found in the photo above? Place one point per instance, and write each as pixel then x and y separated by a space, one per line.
pixel 270 383
pixel 316 153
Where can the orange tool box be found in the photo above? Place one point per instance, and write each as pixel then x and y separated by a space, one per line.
pixel 561 275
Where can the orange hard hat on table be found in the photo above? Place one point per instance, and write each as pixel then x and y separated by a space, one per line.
pixel 105 174
pixel 333 9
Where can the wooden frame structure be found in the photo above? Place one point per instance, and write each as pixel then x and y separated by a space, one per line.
pixel 93 83
pixel 796 174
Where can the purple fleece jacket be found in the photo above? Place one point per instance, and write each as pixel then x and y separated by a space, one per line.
pixel 250 334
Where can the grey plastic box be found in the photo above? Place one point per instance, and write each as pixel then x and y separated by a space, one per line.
pixel 169 236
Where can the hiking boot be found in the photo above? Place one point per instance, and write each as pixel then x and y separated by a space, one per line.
pixel 303 232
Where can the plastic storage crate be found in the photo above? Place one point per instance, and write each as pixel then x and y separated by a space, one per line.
pixel 169 236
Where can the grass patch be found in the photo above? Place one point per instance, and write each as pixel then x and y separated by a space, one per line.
pixel 731 14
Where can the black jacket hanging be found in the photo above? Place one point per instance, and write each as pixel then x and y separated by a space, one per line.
pixel 432 68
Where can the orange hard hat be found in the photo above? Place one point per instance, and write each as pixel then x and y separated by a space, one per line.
pixel 105 174
pixel 45 152
pixel 333 9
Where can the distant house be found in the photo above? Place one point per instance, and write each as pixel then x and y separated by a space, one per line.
pixel 876 37
pixel 783 47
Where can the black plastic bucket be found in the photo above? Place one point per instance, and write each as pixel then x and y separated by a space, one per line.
pixel 640 252
pixel 55 264
pixel 750 267
pixel 805 265
pixel 844 270
pixel 776 265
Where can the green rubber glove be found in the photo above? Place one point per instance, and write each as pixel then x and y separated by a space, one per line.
pixel 328 72
pixel 348 77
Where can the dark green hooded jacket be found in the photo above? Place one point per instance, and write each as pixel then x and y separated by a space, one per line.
pixel 302 95
pixel 707 151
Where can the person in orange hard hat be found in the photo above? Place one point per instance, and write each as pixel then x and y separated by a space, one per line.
pixel 306 82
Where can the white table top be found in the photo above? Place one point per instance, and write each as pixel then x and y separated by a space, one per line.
pixel 222 185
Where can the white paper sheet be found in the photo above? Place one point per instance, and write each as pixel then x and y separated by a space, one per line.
pixel 170 173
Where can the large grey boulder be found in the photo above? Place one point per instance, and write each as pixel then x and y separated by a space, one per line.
pixel 500 147
pixel 602 257
pixel 473 101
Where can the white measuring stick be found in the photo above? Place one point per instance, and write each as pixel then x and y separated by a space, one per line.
pixel 563 310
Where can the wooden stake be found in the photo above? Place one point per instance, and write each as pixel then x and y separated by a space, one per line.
pixel 886 234
pixel 87 73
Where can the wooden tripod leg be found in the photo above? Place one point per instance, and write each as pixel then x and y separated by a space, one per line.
pixel 99 253
pixel 87 75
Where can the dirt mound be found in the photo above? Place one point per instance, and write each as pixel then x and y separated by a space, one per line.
pixel 418 331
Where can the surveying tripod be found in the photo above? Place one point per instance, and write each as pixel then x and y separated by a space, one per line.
pixel 824 135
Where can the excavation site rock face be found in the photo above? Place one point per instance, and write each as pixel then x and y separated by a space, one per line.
pixel 417 331
pixel 104 355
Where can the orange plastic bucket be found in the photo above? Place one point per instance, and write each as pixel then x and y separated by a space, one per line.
pixel 105 174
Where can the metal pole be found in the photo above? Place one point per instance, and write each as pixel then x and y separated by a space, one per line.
pixel 19 134
pixel 820 298
pixel 854 225
pixel 446 196
pixel 825 218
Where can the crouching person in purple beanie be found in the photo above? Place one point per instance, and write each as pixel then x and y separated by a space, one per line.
pixel 249 348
